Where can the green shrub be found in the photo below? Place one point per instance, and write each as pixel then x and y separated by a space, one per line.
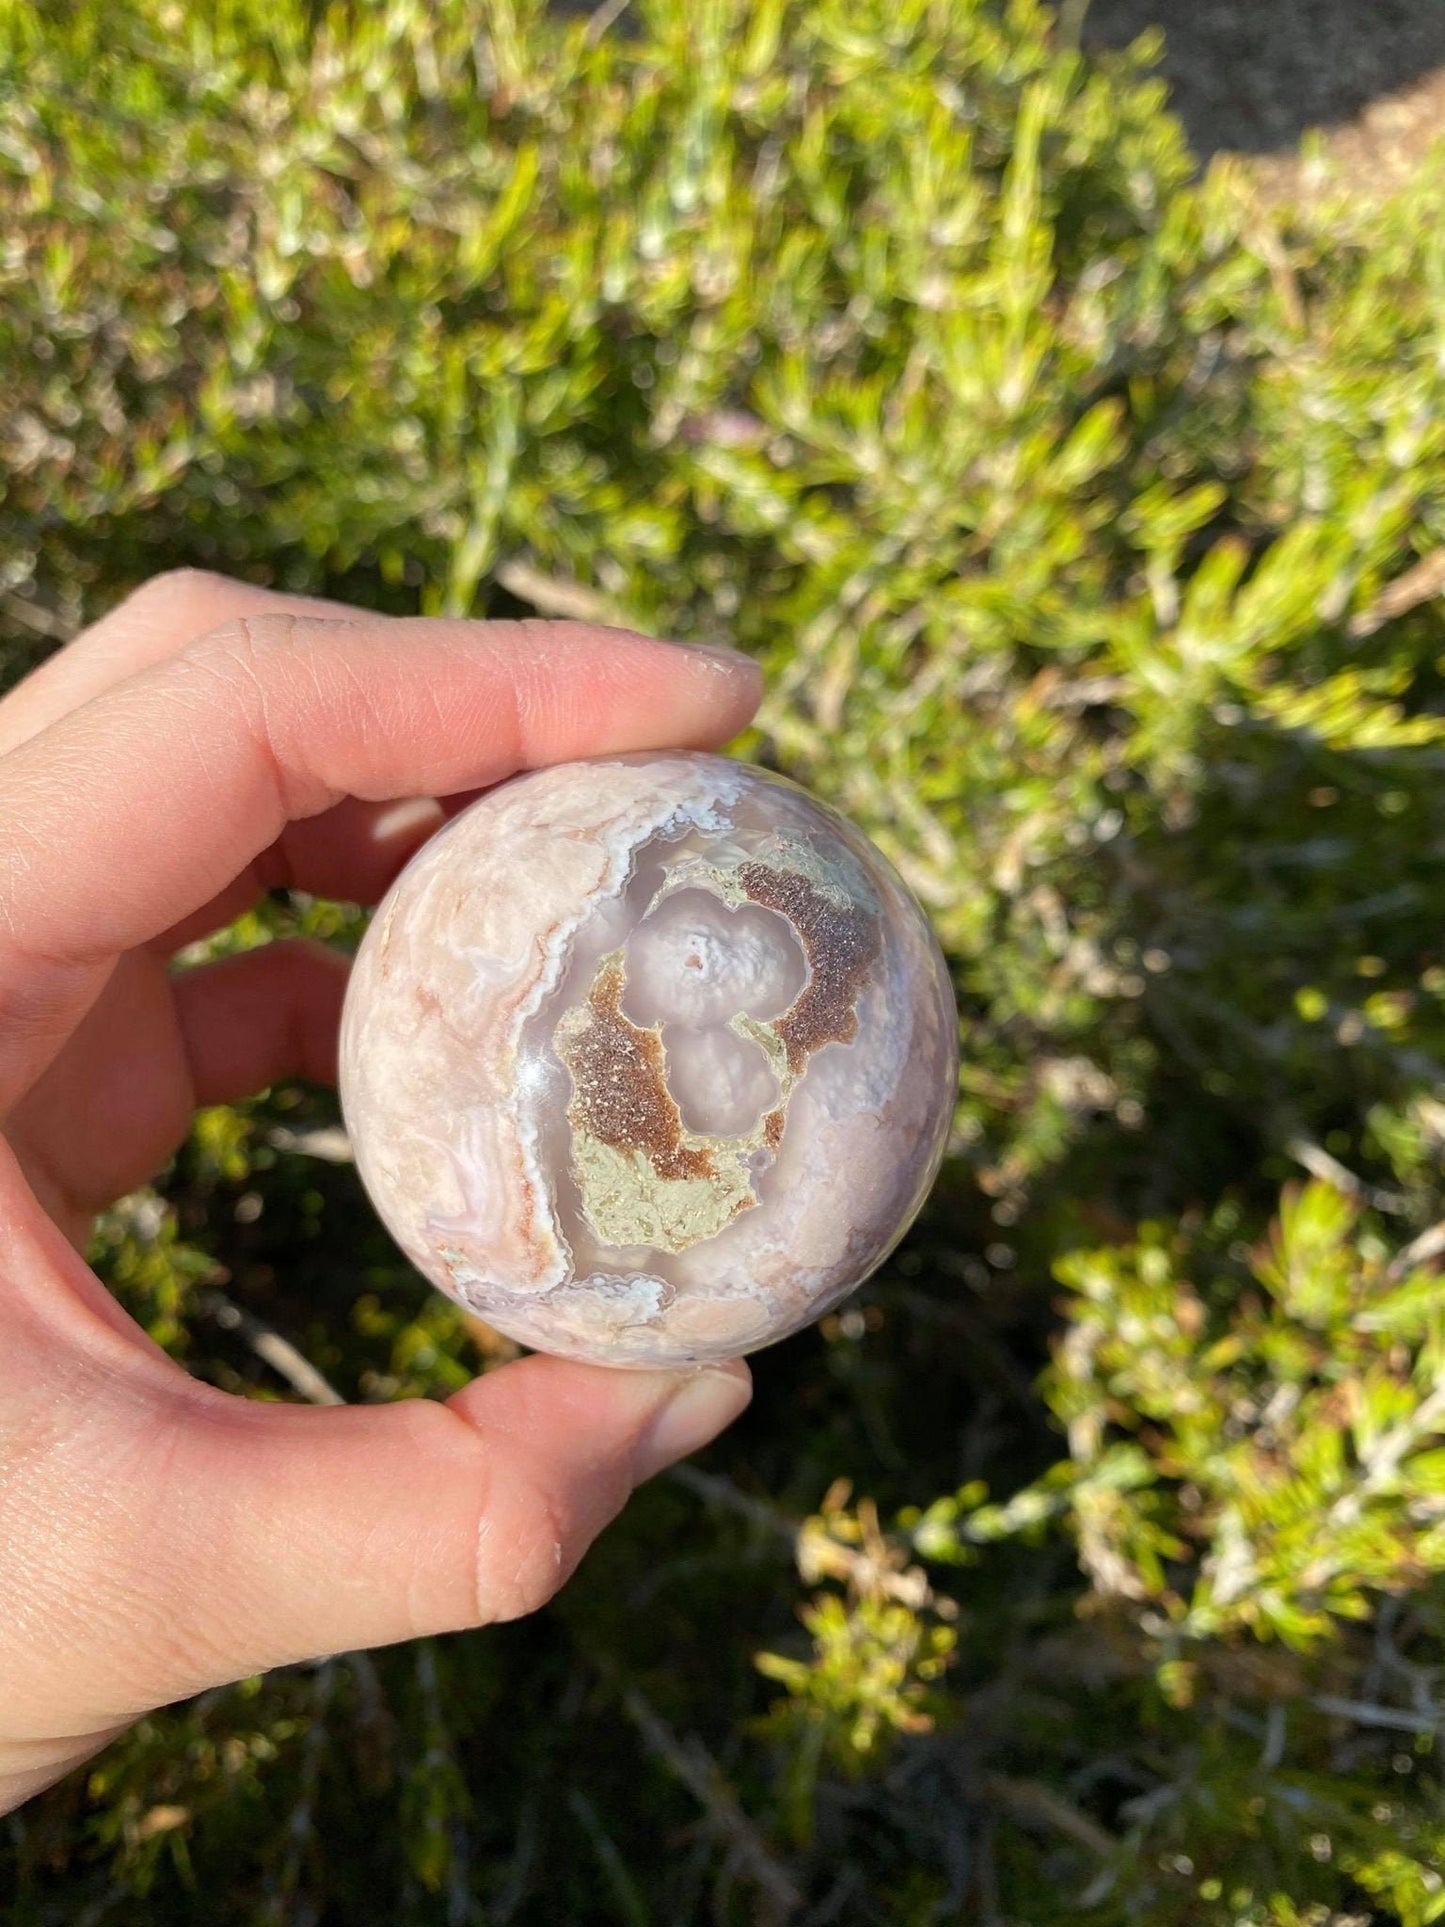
pixel 1086 519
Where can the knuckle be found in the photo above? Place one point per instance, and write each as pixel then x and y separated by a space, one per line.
pixel 245 642
pixel 173 586
pixel 278 678
pixel 242 658
pixel 518 1572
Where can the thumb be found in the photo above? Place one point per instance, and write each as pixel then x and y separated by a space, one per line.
pixel 361 1525
pixel 182 1538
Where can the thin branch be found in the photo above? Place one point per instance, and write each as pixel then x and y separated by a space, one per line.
pixel 301 1830
pixel 607 15
pixel 552 595
pixel 1430 1244
pixel 1031 1800
pixel 1087 692
pixel 278 1352
pixel 43 621
pixel 1363 1713
pixel 1328 1169
pixel 623 1888
pixel 691 1763
pixel 1271 251
pixel 329 1143
pixel 719 1491
pixel 1422 583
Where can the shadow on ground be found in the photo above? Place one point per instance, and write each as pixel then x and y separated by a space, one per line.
pixel 1253 75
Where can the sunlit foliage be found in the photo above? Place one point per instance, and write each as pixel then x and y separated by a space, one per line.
pixel 1090 1565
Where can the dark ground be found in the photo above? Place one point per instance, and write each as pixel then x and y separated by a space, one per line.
pixel 1252 76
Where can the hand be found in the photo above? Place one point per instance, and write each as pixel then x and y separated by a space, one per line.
pixel 202 743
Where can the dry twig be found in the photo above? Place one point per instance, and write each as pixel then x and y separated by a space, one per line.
pixel 1422 583
pixel 1420 1251
pixel 278 1352
pixel 689 1760
pixel 328 1142
pixel 34 616
pixel 551 595
pixel 1032 1802
pixel 1322 1165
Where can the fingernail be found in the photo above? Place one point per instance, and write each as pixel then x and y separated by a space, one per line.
pixel 697 1411
pixel 731 659
pixel 415 816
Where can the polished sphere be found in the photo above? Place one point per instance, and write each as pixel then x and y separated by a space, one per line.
pixel 648 1060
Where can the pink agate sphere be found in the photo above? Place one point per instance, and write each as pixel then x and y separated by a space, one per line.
pixel 648 1060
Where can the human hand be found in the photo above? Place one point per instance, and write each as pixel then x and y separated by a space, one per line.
pixel 202 743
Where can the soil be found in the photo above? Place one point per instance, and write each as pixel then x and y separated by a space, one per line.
pixel 1252 76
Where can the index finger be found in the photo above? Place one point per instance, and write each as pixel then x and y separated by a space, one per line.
pixel 352 852
pixel 154 621
pixel 135 810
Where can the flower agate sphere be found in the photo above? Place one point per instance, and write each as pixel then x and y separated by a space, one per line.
pixel 648 1060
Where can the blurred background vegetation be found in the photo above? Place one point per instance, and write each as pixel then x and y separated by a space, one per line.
pixel 1087 515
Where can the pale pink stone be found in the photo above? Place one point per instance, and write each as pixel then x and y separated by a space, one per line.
pixel 656 1148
